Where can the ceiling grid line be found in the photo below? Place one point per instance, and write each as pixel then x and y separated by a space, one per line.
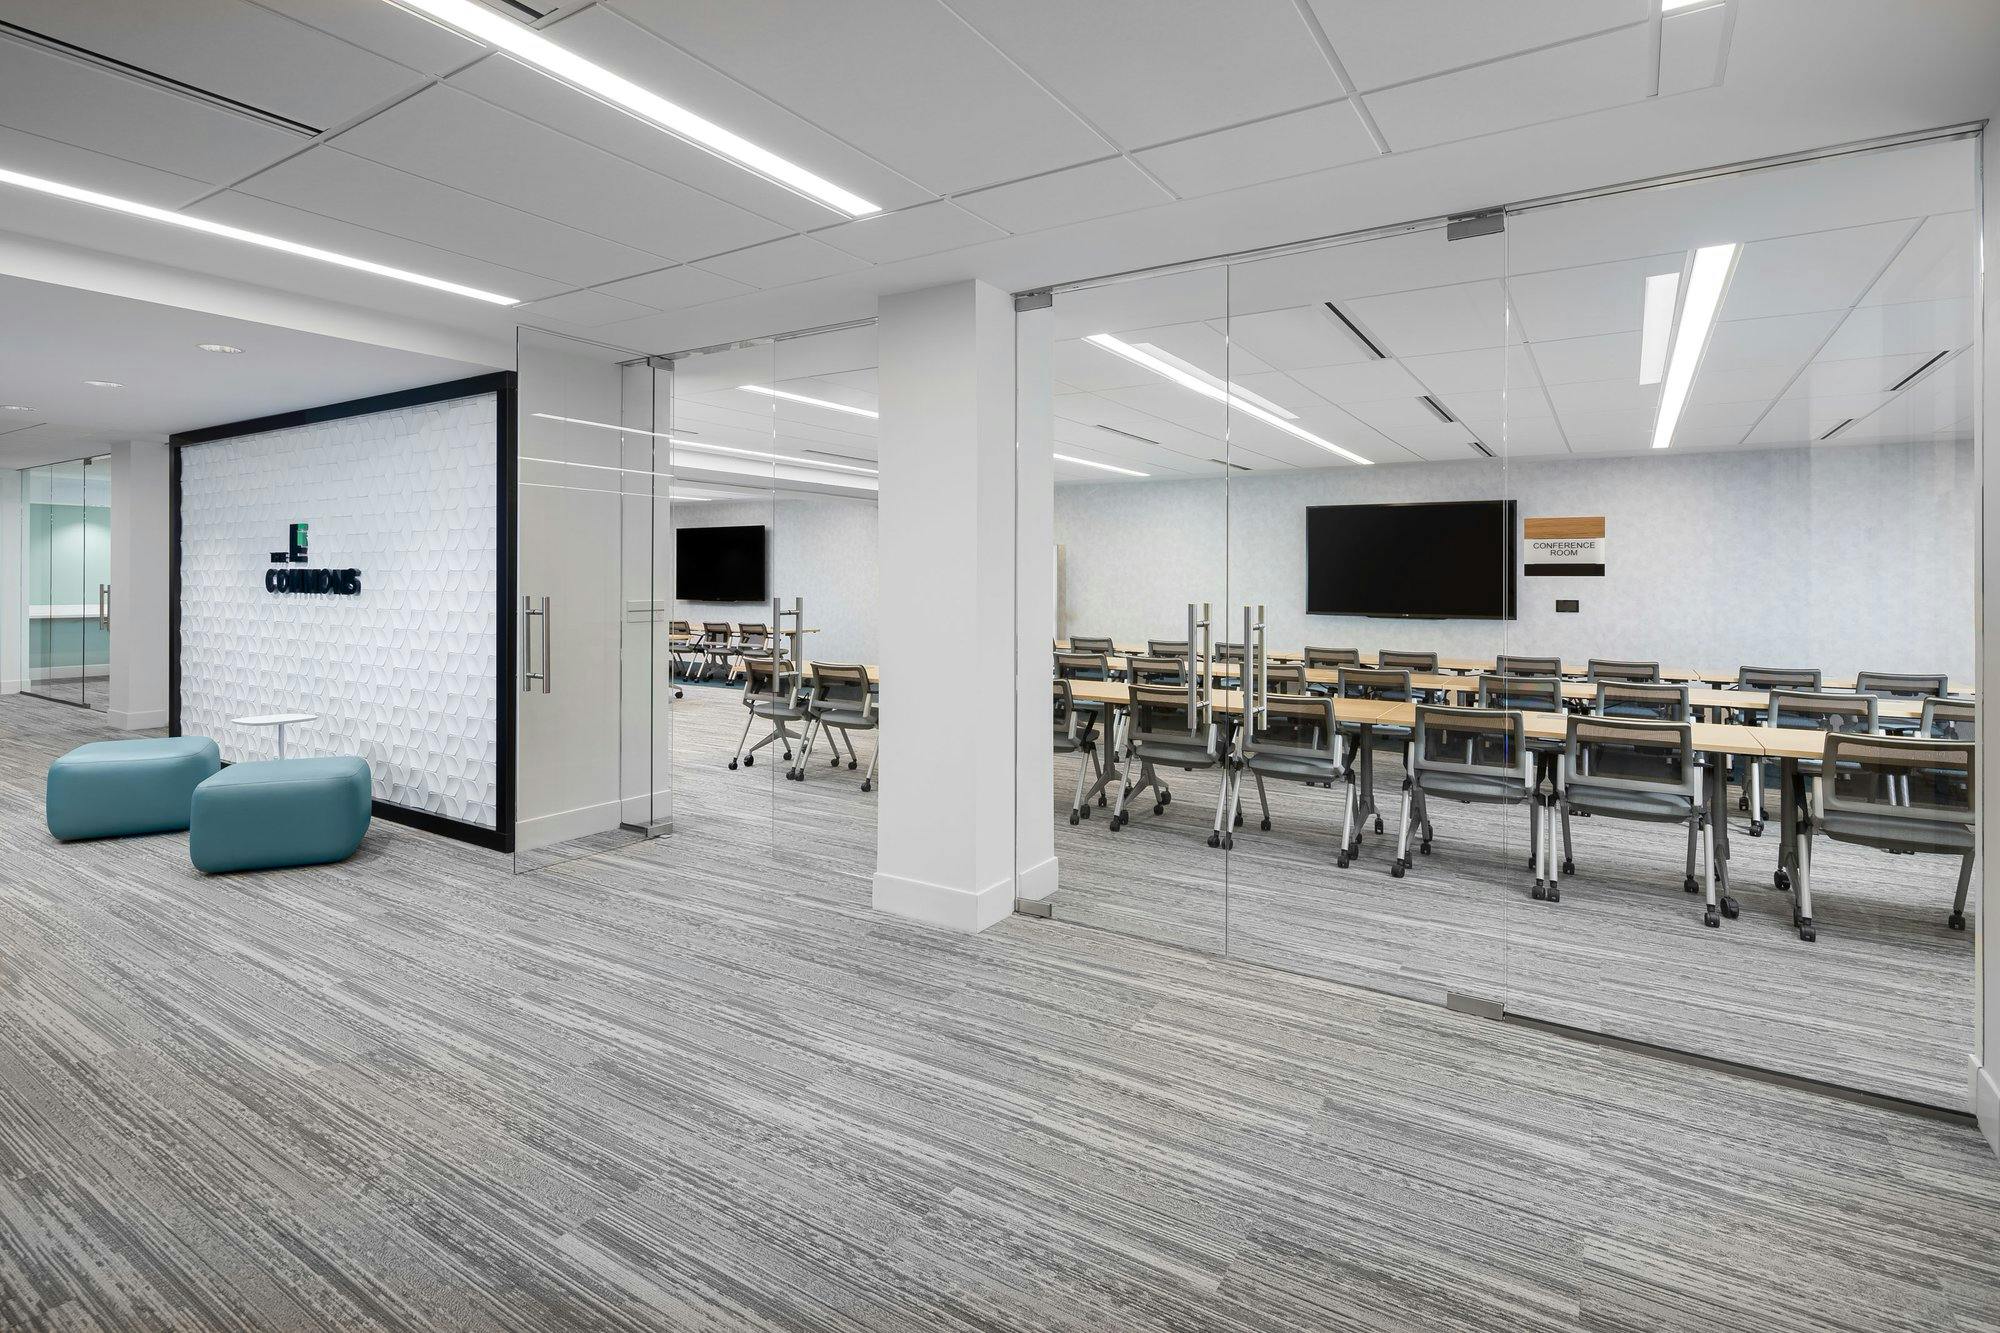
pixel 1340 75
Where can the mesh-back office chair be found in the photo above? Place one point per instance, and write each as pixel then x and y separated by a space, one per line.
pixel 753 639
pixel 1289 678
pixel 1093 717
pixel 1390 660
pixel 1297 740
pixel 1475 756
pixel 1812 710
pixel 681 650
pixel 1228 655
pixel 1161 729
pixel 1765 678
pixel 1079 644
pixel 1325 659
pixel 1605 668
pixel 1950 720
pixel 1623 768
pixel 1074 735
pixel 1166 647
pixel 715 646
pixel 771 694
pixel 1899 685
pixel 1360 741
pixel 843 702
pixel 1529 694
pixel 1157 670
pixel 1507 664
pixel 1854 802
pixel 1647 702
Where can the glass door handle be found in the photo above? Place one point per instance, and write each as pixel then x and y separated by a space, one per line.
pixel 104 607
pixel 529 613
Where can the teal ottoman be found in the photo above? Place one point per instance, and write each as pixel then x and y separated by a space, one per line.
pixel 112 789
pixel 279 812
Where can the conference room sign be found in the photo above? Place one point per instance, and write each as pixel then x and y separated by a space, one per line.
pixel 1563 547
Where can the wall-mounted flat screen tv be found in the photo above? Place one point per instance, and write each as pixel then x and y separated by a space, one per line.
pixel 719 564
pixel 1446 561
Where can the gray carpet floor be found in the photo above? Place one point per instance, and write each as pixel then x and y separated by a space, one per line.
pixel 690 1085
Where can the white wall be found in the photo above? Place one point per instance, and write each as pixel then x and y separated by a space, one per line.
pixel 1844 558
pixel 401 674
pixel 141 537
pixel 820 548
pixel 13 564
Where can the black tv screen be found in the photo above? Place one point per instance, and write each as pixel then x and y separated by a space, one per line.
pixel 719 564
pixel 1447 561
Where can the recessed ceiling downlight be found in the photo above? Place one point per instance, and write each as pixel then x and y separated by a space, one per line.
pixel 104 384
pixel 14 407
pixel 223 348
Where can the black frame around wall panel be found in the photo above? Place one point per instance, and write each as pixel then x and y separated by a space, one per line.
pixel 501 384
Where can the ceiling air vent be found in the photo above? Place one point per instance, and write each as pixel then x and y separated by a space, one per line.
pixel 1437 407
pixel 1837 429
pixel 1226 463
pixel 1482 448
pixel 1129 435
pixel 1918 371
pixel 1355 329
pixel 852 458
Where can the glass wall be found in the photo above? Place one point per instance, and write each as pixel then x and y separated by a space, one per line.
pixel 1575 544
pixel 66 573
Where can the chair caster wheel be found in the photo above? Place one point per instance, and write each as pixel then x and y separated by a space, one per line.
pixel 1569 866
pixel 1541 892
pixel 1730 909
pixel 1711 918
pixel 853 764
pixel 1378 823
pixel 1688 885
pixel 1215 839
pixel 1166 797
pixel 1782 881
pixel 1228 841
pixel 1072 817
pixel 1341 860
pixel 732 766
pixel 1743 803
pixel 833 763
pixel 1239 819
pixel 1116 823
pixel 1102 802
pixel 869 785
pixel 1806 931
pixel 1424 847
pixel 1555 894
pixel 1396 869
pixel 1756 828
pixel 749 761
pixel 1083 810
pixel 1264 824
pixel 1159 807
pixel 1956 921
pixel 788 756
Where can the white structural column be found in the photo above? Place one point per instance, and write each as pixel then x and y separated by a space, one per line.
pixel 945 841
pixel 1034 596
pixel 13 609
pixel 1986 1035
pixel 141 534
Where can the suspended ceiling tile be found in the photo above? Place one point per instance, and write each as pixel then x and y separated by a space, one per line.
pixel 455 139
pixel 890 76
pixel 1431 320
pixel 924 230
pixel 1594 396
pixel 585 309
pixel 1075 194
pixel 1584 76
pixel 1482 370
pixel 1853 376
pixel 33 155
pixel 1796 419
pixel 1939 263
pixel 625 48
pixel 1089 367
pixel 1287 145
pixel 1358 382
pixel 232 48
pixel 1603 357
pixel 85 106
pixel 1586 301
pixel 382 247
pixel 1607 432
pixel 783 262
pixel 675 288
pixel 1145 71
pixel 1786 340
pixel 1827 270
pixel 1913 326
pixel 1409 423
pixel 1693 48
pixel 1391 41
pixel 368 194
pixel 1755 384
pixel 1533 437
pixel 1300 336
pixel 387 30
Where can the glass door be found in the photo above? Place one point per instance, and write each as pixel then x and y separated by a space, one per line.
pixel 96 649
pixel 588 640
pixel 62 610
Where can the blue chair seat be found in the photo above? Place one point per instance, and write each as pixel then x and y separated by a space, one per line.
pixel 280 812
pixel 115 789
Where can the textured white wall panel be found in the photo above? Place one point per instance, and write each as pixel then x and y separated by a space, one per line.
pixel 402 674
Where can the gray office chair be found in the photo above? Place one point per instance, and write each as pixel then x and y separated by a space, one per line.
pixel 715 646
pixel 1093 718
pixel 682 649
pixel 1297 740
pixel 1073 735
pixel 842 702
pixel 1852 714
pixel 753 639
pixel 1950 720
pixel 1359 744
pixel 1286 678
pixel 1624 768
pixel 1646 702
pixel 1079 644
pixel 1156 670
pixel 1752 771
pixel 1475 756
pixel 1854 802
pixel 770 694
pixel 1228 655
pixel 1391 660
pixel 1529 694
pixel 1166 647
pixel 1604 668
pixel 1326 659
pixel 1507 664
pixel 1898 685
pixel 1160 730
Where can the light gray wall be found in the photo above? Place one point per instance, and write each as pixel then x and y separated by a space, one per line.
pixel 1844 558
pixel 821 549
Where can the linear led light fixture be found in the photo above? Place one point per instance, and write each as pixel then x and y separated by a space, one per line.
pixel 1708 278
pixel 680 443
pixel 791 397
pixel 133 208
pixel 1220 385
pixel 1159 367
pixel 1656 332
pixel 531 48
pixel 1085 462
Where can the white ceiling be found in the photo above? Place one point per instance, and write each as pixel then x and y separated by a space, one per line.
pixel 1021 141
pixel 53 338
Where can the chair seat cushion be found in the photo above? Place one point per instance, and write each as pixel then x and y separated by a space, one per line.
pixel 113 789
pixel 1491 788
pixel 1581 794
pixel 280 812
pixel 1898 832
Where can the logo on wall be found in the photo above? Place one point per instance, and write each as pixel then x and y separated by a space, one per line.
pixel 340 582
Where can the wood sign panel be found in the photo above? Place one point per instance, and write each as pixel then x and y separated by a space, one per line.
pixel 1563 547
